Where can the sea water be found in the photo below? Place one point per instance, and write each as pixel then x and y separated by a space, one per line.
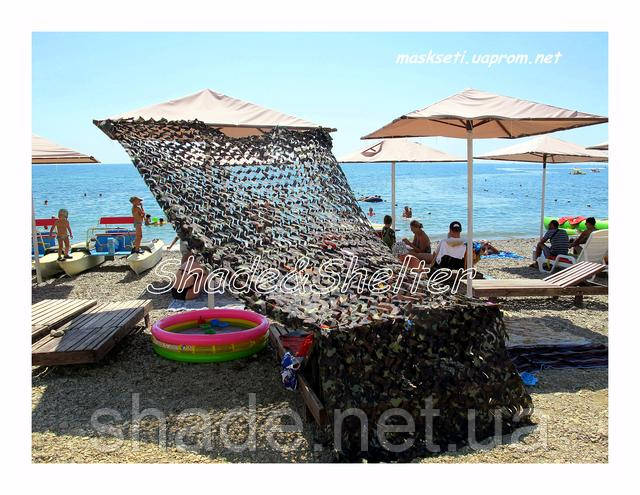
pixel 506 195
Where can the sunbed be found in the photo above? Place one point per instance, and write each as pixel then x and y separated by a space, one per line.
pixel 573 281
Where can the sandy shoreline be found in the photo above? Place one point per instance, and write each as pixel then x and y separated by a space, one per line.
pixel 571 404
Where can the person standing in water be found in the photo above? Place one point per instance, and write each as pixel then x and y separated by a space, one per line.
pixel 138 218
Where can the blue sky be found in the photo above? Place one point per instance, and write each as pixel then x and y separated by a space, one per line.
pixel 345 80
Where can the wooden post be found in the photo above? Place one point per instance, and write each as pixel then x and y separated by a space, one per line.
pixel 34 241
pixel 393 195
pixel 544 180
pixel 469 210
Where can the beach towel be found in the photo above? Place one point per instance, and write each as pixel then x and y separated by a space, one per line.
pixel 220 301
pixel 503 255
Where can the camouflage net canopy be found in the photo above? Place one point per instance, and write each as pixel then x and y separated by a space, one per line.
pixel 281 196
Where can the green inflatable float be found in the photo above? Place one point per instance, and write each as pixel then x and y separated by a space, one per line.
pixel 574 228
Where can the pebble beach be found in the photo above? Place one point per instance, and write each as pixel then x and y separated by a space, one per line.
pixel 571 405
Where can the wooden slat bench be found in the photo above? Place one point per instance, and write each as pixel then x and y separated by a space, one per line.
pixel 568 282
pixel 313 406
pixel 91 335
pixel 50 314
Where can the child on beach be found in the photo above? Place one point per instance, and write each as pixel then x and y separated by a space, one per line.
pixel 63 231
pixel 138 218
pixel 388 234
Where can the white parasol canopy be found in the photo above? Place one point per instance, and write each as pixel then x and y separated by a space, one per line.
pixel 544 150
pixel 234 117
pixel 398 151
pixel 474 114
pixel 601 146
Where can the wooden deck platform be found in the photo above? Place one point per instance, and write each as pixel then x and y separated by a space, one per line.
pixel 91 335
pixel 313 406
pixel 50 314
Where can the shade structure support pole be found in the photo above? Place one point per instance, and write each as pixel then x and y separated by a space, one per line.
pixel 544 185
pixel 34 241
pixel 393 195
pixel 469 210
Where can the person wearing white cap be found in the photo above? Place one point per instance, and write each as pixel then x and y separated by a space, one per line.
pixel 451 251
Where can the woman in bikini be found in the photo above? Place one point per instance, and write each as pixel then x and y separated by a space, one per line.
pixel 420 247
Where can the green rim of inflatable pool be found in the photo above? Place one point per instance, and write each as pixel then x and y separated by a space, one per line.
pixel 204 358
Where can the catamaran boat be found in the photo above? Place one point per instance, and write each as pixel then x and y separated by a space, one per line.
pixel 113 238
pixel 48 249
pixel 150 256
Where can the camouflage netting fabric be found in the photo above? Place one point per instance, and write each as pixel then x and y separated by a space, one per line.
pixel 280 203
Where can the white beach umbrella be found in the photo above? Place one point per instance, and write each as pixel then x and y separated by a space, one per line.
pixel 474 114
pixel 398 151
pixel 233 117
pixel 601 146
pixel 545 149
pixel 44 152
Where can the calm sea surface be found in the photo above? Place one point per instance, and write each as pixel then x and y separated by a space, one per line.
pixel 506 195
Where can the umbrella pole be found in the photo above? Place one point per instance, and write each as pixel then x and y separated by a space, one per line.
pixel 544 182
pixel 34 241
pixel 393 195
pixel 469 212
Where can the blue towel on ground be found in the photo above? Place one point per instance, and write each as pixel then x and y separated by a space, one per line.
pixel 505 255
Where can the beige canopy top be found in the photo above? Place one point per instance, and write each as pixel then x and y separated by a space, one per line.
pixel 548 149
pixel 236 118
pixel 488 115
pixel 601 146
pixel 398 150
pixel 45 151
